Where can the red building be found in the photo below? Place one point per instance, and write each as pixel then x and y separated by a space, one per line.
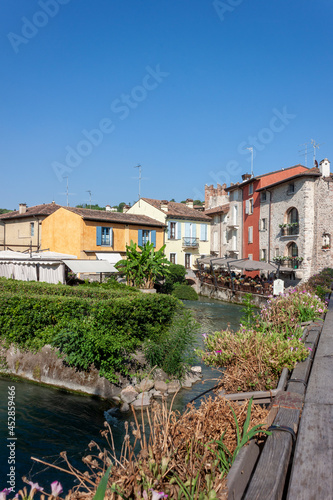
pixel 250 223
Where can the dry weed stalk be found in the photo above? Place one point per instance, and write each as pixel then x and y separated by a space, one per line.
pixel 168 449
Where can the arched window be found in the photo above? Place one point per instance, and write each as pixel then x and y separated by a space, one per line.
pixel 293 258
pixel 290 226
pixel 293 216
pixel 326 241
pixel 292 250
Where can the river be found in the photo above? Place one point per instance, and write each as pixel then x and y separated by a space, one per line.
pixel 49 420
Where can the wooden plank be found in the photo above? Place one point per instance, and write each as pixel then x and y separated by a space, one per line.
pixel 241 470
pixel 312 475
pixel 269 477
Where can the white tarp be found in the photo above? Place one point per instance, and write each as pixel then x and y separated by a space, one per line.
pixel 89 266
pixel 52 272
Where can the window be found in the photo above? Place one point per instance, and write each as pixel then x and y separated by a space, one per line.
pixel 174 230
pixel 146 236
pixel 263 225
pixel 231 196
pixel 250 256
pixel 250 234
pixel 216 219
pixel 263 255
pixel 291 188
pixel 173 258
pixel 203 232
pixel 250 188
pixel 276 252
pixel 32 229
pixel 188 261
pixel 263 196
pixel 104 236
pixel 293 216
pixel 249 206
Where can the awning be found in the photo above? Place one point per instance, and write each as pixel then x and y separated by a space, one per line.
pixel 89 266
pixel 215 261
pixel 112 258
pixel 52 255
pixel 253 265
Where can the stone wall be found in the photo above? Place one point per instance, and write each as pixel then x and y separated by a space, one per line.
pixel 227 295
pixel 323 223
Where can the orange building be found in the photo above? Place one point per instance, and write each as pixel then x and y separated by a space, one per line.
pixel 251 207
pixel 84 232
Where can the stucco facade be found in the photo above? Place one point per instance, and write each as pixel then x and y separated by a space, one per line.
pixel 76 232
pixel 187 233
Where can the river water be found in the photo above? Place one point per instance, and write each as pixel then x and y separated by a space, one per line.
pixel 49 420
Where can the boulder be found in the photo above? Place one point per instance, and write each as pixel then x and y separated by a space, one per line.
pixel 161 386
pixel 145 385
pixel 173 386
pixel 129 394
pixel 196 369
pixel 141 401
pixel 124 408
pixel 159 374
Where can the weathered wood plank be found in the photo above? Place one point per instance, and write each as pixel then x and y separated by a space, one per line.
pixel 270 474
pixel 312 474
pixel 240 472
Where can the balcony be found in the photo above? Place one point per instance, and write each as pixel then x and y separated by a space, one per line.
pixel 189 242
pixel 288 262
pixel 291 229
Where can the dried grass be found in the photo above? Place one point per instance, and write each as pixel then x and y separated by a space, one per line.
pixel 168 446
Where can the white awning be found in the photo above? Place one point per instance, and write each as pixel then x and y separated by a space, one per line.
pixel 112 258
pixel 89 266
pixel 253 265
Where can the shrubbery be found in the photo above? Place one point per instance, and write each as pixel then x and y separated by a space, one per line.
pixel 184 292
pixel 102 327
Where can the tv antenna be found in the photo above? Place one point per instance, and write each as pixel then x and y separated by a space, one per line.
pixel 140 169
pixel 88 191
pixel 251 149
pixel 315 146
pixel 304 152
pixel 67 193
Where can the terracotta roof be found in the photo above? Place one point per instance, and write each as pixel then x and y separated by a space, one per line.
pixel 101 215
pixel 178 210
pixel 45 209
pixel 257 177
pixel 312 172
pixel 218 210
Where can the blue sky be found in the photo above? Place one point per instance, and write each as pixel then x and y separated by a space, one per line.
pixel 90 89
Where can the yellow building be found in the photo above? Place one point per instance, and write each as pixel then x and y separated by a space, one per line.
pixel 84 232
pixel 21 230
pixel 187 229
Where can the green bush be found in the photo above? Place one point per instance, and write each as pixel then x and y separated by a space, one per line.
pixel 89 331
pixel 176 274
pixel 174 350
pixel 184 292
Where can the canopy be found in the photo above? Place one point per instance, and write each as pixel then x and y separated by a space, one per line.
pixel 51 255
pixel 253 265
pixel 112 258
pixel 215 261
pixel 89 266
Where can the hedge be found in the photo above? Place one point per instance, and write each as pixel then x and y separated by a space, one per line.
pixel 102 332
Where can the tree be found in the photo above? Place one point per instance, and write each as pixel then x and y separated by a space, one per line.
pixel 143 268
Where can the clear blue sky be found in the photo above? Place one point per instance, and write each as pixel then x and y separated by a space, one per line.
pixel 180 86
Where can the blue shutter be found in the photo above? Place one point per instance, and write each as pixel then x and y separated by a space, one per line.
pixel 169 226
pixel 203 232
pixel 187 229
pixel 194 230
pixel 111 237
pixel 98 235
pixel 153 237
pixel 140 240
pixel 179 230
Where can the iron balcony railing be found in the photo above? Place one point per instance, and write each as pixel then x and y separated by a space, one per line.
pixel 290 230
pixel 190 242
pixel 293 263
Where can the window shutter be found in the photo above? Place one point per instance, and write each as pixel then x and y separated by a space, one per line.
pixel 169 229
pixel 98 235
pixel 203 232
pixel 140 240
pixel 179 230
pixel 153 237
pixel 194 230
pixel 247 206
pixel 187 230
pixel 111 237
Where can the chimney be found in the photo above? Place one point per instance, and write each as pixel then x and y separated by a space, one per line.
pixel 324 167
pixel 189 203
pixel 126 208
pixel 22 208
pixel 164 205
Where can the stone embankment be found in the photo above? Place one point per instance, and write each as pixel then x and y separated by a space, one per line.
pixel 46 367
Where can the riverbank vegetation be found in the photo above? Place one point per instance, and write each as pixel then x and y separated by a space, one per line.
pixel 89 325
pixel 253 357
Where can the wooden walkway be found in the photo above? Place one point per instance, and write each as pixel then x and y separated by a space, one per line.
pixel 312 471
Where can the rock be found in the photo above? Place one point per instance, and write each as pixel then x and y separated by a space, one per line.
pixel 124 408
pixel 129 394
pixel 161 386
pixel 145 385
pixel 157 394
pixel 191 379
pixel 134 381
pixel 186 384
pixel 196 369
pixel 173 386
pixel 159 374
pixel 141 401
